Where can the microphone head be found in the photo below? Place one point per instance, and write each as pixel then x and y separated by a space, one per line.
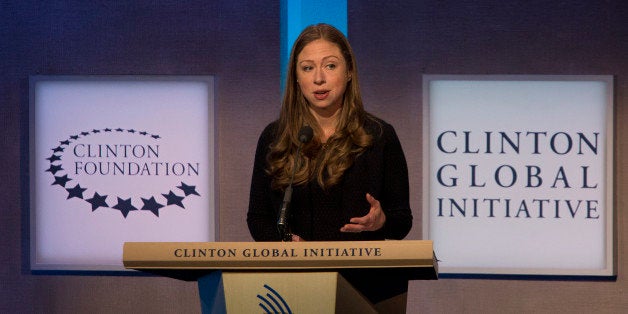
pixel 305 134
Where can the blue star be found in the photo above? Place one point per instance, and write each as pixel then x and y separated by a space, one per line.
pixel 61 180
pixel 188 189
pixel 74 137
pixel 152 205
pixel 107 130
pixel 98 201
pixel 155 136
pixel 131 131
pixel 54 169
pixel 119 129
pixel 66 142
pixel 124 206
pixel 95 131
pixel 174 199
pixel 53 158
pixel 85 133
pixel 76 191
pixel 57 149
pixel 143 133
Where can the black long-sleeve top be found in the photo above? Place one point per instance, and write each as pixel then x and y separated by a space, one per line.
pixel 318 215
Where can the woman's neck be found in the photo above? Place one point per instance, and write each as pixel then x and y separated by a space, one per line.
pixel 327 122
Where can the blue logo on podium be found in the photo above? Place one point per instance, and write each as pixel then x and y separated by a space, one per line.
pixel 273 302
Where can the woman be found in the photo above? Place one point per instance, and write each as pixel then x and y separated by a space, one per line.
pixel 351 179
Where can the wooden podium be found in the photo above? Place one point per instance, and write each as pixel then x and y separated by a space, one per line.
pixel 291 277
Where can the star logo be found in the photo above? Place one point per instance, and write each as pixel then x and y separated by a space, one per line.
pixel 174 199
pixel 152 205
pixel 188 189
pixel 61 180
pixel 98 201
pixel 54 169
pixel 124 206
pixel 53 158
pixel 76 191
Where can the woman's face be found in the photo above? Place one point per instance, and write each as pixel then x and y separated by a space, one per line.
pixel 322 76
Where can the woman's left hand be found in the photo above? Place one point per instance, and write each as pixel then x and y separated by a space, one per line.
pixel 372 221
pixel 296 238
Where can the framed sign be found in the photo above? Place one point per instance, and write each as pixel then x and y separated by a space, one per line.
pixel 519 174
pixel 115 159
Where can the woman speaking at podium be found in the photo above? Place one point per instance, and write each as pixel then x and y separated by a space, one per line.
pixel 327 170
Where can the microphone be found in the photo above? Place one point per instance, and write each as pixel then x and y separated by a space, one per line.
pixel 305 135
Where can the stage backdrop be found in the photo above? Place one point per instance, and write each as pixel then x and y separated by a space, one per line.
pixel 519 174
pixel 115 159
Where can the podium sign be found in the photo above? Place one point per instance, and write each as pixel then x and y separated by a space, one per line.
pixel 287 277
pixel 414 256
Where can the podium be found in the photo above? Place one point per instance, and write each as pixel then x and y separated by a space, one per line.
pixel 291 277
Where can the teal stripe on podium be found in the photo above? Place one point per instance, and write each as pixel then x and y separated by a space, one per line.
pixel 298 14
pixel 211 291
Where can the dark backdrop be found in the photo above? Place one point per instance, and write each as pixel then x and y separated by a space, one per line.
pixel 238 42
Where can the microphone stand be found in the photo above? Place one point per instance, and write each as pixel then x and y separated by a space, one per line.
pixel 305 135
pixel 282 223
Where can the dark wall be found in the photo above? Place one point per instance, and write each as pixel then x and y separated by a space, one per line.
pixel 238 42
pixel 398 41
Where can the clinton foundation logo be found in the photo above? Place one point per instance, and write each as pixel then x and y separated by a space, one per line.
pixel 126 170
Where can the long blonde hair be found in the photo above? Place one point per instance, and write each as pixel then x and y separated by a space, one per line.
pixel 325 164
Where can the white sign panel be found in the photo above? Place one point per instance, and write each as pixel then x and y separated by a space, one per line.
pixel 518 174
pixel 116 159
